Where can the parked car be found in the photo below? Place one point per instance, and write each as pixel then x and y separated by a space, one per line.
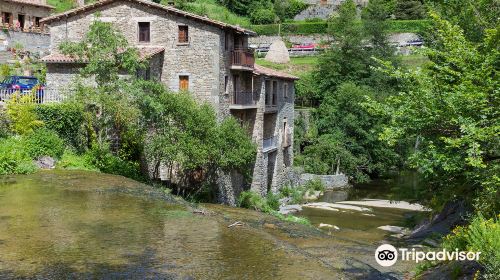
pixel 23 85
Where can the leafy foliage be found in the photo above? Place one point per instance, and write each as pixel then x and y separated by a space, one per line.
pixel 409 9
pixel 21 113
pixel 187 135
pixel 473 16
pixel 13 157
pixel 43 142
pixel 346 132
pixel 481 235
pixel 450 111
pixel 67 119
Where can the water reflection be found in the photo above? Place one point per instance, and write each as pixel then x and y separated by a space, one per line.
pixel 87 225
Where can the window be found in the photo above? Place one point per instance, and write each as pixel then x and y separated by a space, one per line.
pixel 226 82
pixel 285 90
pixel 144 32
pixel 37 21
pixel 183 34
pixel 20 20
pixel 7 18
pixel 183 82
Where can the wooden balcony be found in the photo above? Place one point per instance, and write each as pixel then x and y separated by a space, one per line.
pixel 242 59
pixel 245 99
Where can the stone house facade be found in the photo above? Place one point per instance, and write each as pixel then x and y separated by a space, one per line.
pixel 24 15
pixel 208 58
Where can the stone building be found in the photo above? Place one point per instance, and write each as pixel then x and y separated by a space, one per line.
pixel 209 58
pixel 24 15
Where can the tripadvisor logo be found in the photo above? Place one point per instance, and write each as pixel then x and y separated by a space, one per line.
pixel 387 255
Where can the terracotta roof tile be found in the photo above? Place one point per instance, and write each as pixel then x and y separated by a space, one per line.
pixel 261 70
pixel 168 9
pixel 144 53
pixel 27 2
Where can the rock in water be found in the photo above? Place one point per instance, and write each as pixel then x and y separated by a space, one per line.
pixel 45 162
pixel 278 53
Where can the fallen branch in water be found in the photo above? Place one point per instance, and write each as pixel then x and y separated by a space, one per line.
pixel 236 224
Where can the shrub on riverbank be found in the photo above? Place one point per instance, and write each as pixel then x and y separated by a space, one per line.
pixel 14 159
pixel 481 235
pixel 43 142
pixel 268 204
pixel 66 119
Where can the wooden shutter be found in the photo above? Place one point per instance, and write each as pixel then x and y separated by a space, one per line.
pixel 183 34
pixel 183 82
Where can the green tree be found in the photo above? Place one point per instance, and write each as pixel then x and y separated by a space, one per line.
pixel 473 16
pixel 345 76
pixel 186 136
pixel 409 9
pixel 450 111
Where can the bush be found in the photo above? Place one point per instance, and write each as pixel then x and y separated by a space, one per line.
pixel 71 160
pixel 66 119
pixel 13 157
pixel 321 27
pixel 43 142
pixel 252 200
pixel 105 161
pixel 4 125
pixel 269 204
pixel 299 28
pixel 287 9
pixel 263 16
pixel 20 111
pixel 314 185
pixel 480 235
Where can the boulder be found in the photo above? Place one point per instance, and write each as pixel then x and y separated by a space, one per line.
pixel 278 53
pixel 45 162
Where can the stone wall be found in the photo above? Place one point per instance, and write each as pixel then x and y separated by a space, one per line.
pixel 36 43
pixel 266 41
pixel 330 181
pixel 272 167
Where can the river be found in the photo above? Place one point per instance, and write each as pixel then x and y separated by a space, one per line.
pixel 80 224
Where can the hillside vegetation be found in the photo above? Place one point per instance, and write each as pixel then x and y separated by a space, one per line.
pixel 215 10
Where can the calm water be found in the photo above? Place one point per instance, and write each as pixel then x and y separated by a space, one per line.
pixel 75 224
pixel 363 226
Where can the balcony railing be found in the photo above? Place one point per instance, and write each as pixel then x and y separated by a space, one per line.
pixel 31 96
pixel 269 143
pixel 243 58
pixel 32 29
pixel 244 98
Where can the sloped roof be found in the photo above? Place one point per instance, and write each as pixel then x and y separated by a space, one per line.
pixel 27 2
pixel 148 3
pixel 261 70
pixel 144 53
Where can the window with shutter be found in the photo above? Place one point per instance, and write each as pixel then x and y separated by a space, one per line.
pixel 183 34
pixel 183 82
pixel 144 32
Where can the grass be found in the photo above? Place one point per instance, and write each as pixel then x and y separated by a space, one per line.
pixel 62 5
pixel 414 61
pixel 213 10
pixel 296 66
